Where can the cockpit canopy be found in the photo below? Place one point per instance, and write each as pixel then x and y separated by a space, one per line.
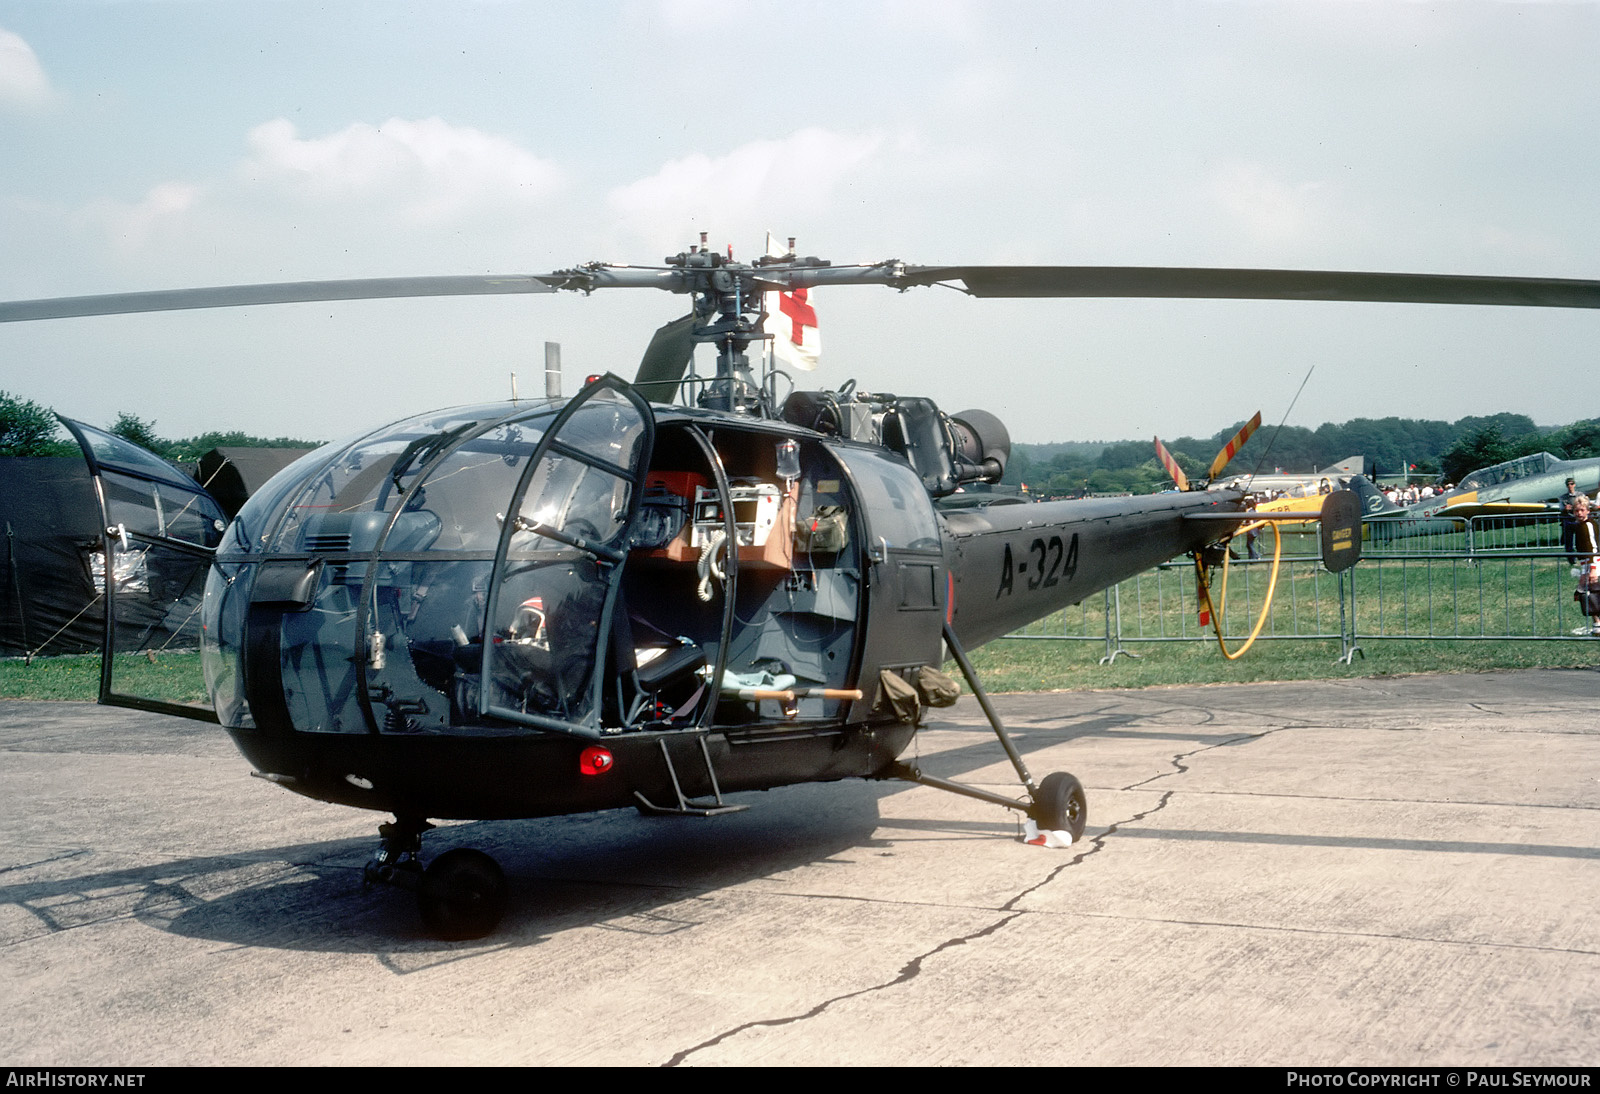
pixel 1526 467
pixel 400 579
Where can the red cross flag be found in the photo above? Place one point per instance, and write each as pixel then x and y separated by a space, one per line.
pixel 792 321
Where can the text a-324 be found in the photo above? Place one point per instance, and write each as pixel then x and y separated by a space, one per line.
pixel 1044 563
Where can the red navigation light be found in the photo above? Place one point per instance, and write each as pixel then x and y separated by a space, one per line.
pixel 595 760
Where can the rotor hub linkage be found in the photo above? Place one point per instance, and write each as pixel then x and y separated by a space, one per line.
pixel 732 315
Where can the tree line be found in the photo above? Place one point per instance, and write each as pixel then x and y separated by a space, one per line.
pixel 29 429
pixel 1392 447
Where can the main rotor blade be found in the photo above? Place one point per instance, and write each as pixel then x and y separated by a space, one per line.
pixel 287 292
pixel 984 281
pixel 1196 283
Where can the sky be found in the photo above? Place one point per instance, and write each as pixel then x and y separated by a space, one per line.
pixel 150 145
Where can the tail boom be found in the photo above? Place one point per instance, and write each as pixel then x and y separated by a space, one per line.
pixel 1014 564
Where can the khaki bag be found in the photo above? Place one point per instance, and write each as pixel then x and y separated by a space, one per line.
pixel 938 689
pixel 899 696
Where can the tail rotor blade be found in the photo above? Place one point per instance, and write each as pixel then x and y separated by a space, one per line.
pixel 1231 449
pixel 1172 465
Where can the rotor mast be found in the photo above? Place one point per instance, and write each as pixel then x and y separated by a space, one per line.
pixel 730 317
pixel 728 306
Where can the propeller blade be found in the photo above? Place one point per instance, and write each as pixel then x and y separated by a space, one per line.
pixel 1231 449
pixel 666 359
pixel 1171 465
pixel 1195 283
pixel 288 292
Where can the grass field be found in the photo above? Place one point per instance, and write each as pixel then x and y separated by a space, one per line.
pixel 173 677
pixel 1004 665
pixel 1017 665
pixel 1490 595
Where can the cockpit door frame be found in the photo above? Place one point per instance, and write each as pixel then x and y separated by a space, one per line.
pixel 609 558
pixel 906 597
pixel 117 539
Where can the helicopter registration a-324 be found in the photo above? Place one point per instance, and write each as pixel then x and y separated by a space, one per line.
pixel 655 593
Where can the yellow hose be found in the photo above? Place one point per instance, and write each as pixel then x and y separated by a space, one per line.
pixel 1216 611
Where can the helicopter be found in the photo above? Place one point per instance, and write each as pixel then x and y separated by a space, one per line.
pixel 658 592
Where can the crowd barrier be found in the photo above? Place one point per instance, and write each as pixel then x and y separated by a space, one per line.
pixel 1493 578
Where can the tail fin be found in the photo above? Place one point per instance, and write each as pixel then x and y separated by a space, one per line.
pixel 1353 465
pixel 1373 502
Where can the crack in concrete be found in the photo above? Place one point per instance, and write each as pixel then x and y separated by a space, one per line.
pixel 1179 768
pixel 913 968
pixel 907 972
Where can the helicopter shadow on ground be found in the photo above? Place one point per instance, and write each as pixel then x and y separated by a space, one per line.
pixel 616 870
pixel 619 870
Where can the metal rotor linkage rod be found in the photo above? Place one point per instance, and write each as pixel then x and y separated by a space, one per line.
pixel 912 773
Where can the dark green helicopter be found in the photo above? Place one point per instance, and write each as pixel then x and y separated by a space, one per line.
pixel 655 593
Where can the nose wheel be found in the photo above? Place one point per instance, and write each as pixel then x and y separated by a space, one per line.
pixel 461 894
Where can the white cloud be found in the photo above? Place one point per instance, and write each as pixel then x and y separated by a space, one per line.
pixel 695 16
pixel 131 227
pixel 1266 208
pixel 22 79
pixel 430 169
pixel 772 179
pixel 955 20
pixel 1523 249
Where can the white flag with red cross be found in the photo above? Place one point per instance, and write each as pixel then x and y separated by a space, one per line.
pixel 792 321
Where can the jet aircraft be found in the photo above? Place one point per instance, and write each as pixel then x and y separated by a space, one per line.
pixel 1298 485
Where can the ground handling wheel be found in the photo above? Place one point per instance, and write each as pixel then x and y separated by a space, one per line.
pixel 462 895
pixel 1060 805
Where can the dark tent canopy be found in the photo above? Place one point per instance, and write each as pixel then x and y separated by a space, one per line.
pixel 51 524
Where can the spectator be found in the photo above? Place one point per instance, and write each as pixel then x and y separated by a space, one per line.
pixel 1569 523
pixel 1588 594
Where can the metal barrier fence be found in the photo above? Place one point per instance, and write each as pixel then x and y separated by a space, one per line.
pixel 1489 578
pixel 1410 537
